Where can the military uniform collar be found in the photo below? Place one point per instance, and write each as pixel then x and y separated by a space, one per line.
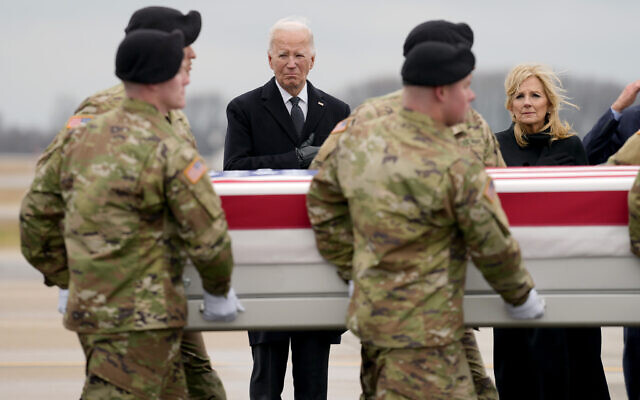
pixel 426 122
pixel 140 106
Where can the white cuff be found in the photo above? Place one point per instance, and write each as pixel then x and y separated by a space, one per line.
pixel 616 114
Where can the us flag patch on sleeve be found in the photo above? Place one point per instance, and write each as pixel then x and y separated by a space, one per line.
pixel 342 126
pixel 490 190
pixel 195 170
pixel 78 120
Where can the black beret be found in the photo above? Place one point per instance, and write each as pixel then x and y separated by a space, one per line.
pixel 149 56
pixel 439 31
pixel 437 64
pixel 166 19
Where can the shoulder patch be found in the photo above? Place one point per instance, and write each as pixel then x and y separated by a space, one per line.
pixel 195 170
pixel 490 190
pixel 342 126
pixel 638 133
pixel 78 120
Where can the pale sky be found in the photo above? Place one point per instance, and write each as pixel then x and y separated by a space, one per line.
pixel 55 53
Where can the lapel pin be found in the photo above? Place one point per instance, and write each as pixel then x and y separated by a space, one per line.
pixel 321 104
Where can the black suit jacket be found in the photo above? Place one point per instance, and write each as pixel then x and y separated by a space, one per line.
pixel 260 132
pixel 608 135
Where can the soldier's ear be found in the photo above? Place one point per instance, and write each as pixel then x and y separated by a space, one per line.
pixel 440 92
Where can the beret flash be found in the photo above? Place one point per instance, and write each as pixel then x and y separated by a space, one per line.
pixel 149 56
pixel 166 19
pixel 437 64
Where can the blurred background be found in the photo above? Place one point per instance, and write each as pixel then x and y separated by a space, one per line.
pixel 54 54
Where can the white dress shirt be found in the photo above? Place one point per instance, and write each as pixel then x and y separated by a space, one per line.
pixel 303 103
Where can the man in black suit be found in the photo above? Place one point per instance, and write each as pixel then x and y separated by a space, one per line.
pixel 614 127
pixel 606 137
pixel 281 125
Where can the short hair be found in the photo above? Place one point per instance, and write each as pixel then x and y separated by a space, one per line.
pixel 554 92
pixel 292 23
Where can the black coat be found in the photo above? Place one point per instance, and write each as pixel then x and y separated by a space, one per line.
pixel 541 151
pixel 608 135
pixel 260 132
pixel 547 363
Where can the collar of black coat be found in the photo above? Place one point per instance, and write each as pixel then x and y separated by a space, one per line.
pixel 272 100
pixel 539 139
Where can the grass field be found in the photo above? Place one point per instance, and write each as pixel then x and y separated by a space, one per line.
pixel 9 234
pixel 13 168
pixel 17 164
pixel 11 196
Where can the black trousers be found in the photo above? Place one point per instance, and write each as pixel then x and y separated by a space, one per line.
pixel 631 362
pixel 310 359
pixel 549 363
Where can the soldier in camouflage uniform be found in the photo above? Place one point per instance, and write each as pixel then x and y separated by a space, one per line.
pixel 634 215
pixel 397 207
pixel 472 135
pixel 629 153
pixel 202 380
pixel 116 204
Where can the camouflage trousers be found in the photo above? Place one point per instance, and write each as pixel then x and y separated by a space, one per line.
pixel 134 365
pixel 436 373
pixel 485 388
pixel 203 382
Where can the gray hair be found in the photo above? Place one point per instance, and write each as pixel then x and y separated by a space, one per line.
pixel 292 23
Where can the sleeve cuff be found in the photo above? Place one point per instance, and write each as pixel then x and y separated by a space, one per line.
pixel 616 114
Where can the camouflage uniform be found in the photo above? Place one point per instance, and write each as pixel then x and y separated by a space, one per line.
pixel 202 380
pixel 634 216
pixel 115 206
pixel 629 153
pixel 397 207
pixel 475 136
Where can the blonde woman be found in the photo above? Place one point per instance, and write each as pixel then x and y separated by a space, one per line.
pixel 544 363
pixel 537 135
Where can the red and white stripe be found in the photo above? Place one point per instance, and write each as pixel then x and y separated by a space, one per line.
pixel 553 212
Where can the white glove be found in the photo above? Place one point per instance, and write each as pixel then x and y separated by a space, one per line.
pixel 351 286
pixel 221 308
pixel 63 296
pixel 531 309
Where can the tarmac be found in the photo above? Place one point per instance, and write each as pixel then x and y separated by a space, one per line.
pixel 39 359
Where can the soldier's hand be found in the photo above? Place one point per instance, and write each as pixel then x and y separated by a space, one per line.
pixel 221 308
pixel 627 97
pixel 532 308
pixel 306 152
pixel 63 296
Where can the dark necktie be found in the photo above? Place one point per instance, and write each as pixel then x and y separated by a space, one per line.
pixel 296 114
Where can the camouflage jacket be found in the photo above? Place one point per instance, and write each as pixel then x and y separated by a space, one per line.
pixel 629 153
pixel 398 203
pixel 107 100
pixel 634 215
pixel 113 206
pixel 473 135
